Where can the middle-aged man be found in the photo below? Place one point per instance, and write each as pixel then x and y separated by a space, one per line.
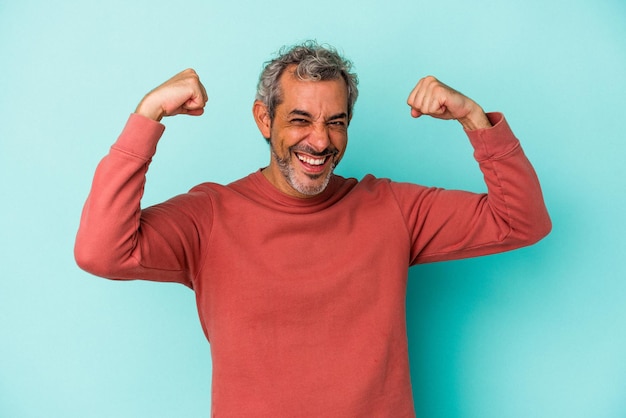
pixel 300 275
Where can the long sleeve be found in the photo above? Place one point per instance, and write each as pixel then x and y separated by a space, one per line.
pixel 451 224
pixel 116 239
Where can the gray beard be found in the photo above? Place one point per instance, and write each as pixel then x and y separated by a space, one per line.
pixel 288 173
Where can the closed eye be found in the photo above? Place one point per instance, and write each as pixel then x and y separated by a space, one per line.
pixel 338 120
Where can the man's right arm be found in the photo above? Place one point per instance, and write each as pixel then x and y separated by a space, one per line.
pixel 116 239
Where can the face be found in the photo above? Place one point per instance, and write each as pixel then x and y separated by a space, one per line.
pixel 308 135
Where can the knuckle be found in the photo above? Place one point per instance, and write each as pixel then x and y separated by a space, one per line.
pixel 190 72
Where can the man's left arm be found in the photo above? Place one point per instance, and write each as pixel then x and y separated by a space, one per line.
pixel 455 224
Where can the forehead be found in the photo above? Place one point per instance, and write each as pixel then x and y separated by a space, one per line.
pixel 331 95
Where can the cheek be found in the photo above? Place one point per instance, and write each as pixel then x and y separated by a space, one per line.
pixel 340 141
pixel 283 139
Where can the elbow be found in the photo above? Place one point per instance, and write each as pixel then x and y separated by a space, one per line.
pixel 541 233
pixel 89 261
pixel 93 259
pixel 547 227
pixel 537 229
pixel 544 225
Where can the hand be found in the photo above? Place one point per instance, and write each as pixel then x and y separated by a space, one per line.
pixel 433 98
pixel 181 94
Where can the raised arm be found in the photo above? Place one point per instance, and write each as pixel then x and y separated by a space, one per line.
pixel 451 224
pixel 118 240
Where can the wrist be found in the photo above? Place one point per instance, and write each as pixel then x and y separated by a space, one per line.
pixel 475 119
pixel 149 111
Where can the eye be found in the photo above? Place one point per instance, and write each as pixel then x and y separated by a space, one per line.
pixel 337 124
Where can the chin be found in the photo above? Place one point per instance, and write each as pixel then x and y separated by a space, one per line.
pixel 311 188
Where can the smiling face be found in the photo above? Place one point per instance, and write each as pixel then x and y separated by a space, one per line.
pixel 308 135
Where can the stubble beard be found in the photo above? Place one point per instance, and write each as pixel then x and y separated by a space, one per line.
pixel 289 173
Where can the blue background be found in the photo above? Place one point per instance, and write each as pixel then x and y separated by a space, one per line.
pixel 540 332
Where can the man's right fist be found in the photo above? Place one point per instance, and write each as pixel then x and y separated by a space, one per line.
pixel 181 94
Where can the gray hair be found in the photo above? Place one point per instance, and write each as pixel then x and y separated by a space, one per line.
pixel 313 62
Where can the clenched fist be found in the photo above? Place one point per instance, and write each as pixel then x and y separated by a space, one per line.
pixel 433 98
pixel 181 94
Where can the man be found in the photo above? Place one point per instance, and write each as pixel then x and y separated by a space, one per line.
pixel 300 274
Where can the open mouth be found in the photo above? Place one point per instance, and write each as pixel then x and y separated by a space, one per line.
pixel 314 164
pixel 312 161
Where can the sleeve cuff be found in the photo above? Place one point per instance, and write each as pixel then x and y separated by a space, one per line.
pixel 494 142
pixel 140 136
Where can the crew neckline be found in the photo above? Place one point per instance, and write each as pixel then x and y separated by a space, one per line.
pixel 337 188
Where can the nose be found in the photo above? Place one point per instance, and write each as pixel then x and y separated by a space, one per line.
pixel 319 137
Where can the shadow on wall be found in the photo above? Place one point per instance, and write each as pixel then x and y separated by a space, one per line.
pixel 466 320
pixel 433 322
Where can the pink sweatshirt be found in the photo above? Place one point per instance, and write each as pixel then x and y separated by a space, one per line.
pixel 303 300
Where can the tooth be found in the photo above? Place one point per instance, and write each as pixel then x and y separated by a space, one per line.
pixel 310 160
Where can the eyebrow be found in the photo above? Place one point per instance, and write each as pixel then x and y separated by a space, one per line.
pixel 306 114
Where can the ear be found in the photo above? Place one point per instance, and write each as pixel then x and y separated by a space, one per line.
pixel 262 118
